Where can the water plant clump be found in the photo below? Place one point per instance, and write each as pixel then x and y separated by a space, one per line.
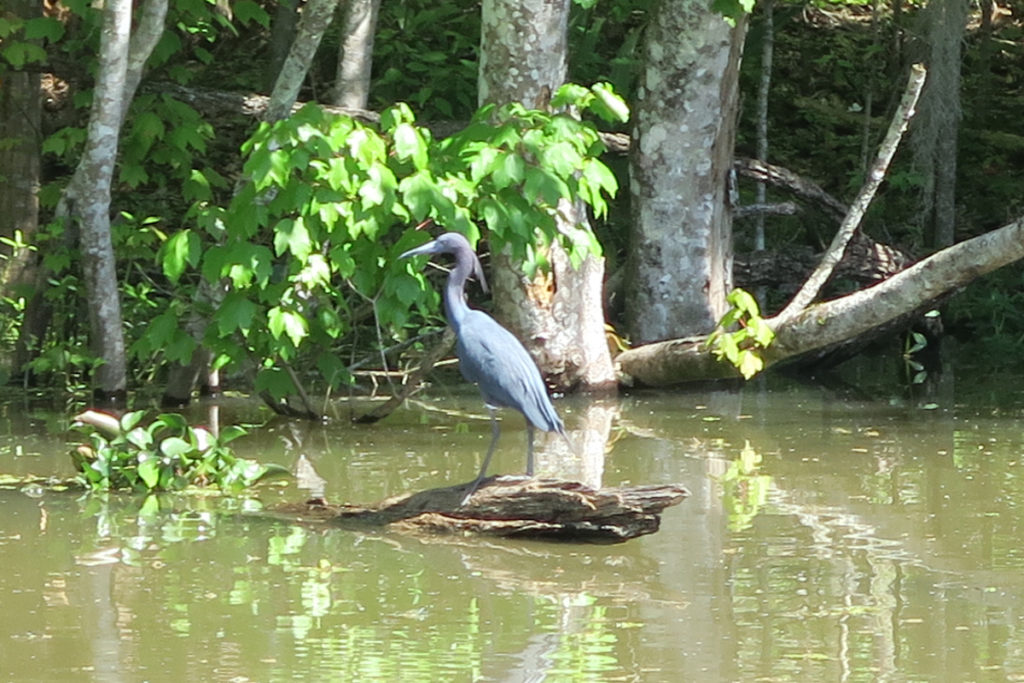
pixel 167 454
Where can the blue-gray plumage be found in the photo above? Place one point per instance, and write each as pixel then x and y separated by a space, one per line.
pixel 489 355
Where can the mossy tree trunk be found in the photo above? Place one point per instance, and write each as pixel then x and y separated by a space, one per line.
pixel 680 266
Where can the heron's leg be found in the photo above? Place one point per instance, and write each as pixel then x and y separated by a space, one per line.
pixel 495 431
pixel 529 449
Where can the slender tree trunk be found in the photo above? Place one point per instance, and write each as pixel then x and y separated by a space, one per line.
pixel 355 55
pixel 937 128
pixel 86 200
pixel 282 35
pixel 763 91
pixel 316 17
pixel 559 315
pixel 20 119
pixel 680 264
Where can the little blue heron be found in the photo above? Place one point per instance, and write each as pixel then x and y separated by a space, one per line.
pixel 489 355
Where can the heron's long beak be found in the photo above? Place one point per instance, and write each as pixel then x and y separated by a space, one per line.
pixel 428 248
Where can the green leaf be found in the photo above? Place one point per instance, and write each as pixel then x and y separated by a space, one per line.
pixel 508 169
pixel 418 193
pixel 44 28
pixel 19 54
pixel 230 433
pixel 235 313
pixel 570 95
pixel 149 472
pixel 181 250
pixel 410 145
pixel 275 381
pixel 130 419
pixel 543 185
pixel 174 446
pixel 292 235
pixel 743 301
pixel 284 322
pixel 608 105
pixel 749 364
pixel 140 438
pixel 247 11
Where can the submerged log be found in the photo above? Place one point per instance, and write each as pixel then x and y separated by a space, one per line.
pixel 511 506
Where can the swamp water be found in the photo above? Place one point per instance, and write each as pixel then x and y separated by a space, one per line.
pixel 829 536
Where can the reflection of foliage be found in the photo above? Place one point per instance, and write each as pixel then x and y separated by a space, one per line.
pixel 915 371
pixel 742 347
pixel 168 454
pixel 744 491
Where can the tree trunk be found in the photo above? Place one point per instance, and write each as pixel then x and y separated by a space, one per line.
pixel 558 316
pixel 833 322
pixel 764 87
pixel 86 200
pixel 20 119
pixel 935 134
pixel 282 35
pixel 355 55
pixel 316 17
pixel 679 270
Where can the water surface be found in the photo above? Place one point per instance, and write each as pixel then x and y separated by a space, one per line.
pixel 832 534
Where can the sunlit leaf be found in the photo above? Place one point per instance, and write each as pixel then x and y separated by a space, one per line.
pixel 149 472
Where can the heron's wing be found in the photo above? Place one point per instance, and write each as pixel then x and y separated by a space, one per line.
pixel 491 357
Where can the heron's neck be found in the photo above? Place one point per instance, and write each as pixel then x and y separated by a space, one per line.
pixel 455 290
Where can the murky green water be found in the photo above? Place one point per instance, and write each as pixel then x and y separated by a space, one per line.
pixel 828 537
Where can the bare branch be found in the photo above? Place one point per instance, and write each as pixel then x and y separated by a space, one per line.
pixel 834 254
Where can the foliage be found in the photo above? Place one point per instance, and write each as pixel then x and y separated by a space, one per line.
pixel 605 42
pixel 742 347
pixel 166 455
pixel 23 41
pixel 436 71
pixel 314 231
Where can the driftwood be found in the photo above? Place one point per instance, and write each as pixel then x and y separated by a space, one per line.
pixel 517 506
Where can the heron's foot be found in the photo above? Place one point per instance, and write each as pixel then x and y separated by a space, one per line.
pixel 472 489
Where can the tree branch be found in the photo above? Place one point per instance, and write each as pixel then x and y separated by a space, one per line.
pixel 833 322
pixel 834 254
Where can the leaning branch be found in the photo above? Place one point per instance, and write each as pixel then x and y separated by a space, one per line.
pixel 834 254
pixel 838 320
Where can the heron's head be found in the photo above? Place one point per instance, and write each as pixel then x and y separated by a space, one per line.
pixel 457 245
pixel 448 243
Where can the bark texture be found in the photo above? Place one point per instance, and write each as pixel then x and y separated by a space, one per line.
pixel 559 316
pixel 87 200
pixel 680 264
pixel 355 55
pixel 513 506
pixel 316 17
pixel 937 127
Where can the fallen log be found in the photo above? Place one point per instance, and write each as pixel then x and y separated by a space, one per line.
pixel 516 506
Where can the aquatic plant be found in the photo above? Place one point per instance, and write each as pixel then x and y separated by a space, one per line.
pixel 167 454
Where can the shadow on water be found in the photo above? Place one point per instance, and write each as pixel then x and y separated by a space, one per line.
pixel 833 533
